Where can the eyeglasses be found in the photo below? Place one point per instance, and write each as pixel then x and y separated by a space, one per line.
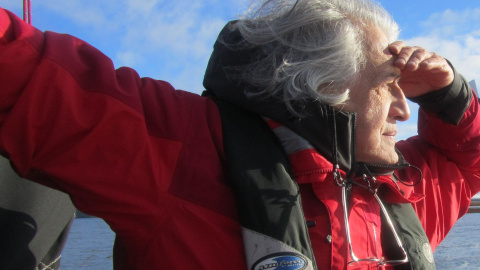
pixel 368 261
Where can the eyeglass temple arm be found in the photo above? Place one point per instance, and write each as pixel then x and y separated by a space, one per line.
pixel 387 217
pixel 390 223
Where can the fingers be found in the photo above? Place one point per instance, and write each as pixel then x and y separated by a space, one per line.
pixel 396 47
pixel 412 58
pixel 420 67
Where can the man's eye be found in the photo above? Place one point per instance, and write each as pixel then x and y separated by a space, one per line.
pixel 385 87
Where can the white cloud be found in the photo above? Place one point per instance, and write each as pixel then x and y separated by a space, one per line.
pixel 456 36
pixel 137 8
pixel 450 22
pixel 180 28
pixel 176 36
pixel 82 12
pixel 129 58
pixel 160 38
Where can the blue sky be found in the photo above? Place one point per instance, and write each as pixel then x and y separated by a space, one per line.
pixel 172 40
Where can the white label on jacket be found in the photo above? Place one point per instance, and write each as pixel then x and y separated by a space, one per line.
pixel 266 253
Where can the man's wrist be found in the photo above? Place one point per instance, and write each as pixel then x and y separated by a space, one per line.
pixel 448 103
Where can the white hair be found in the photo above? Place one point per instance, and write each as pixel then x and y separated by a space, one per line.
pixel 314 49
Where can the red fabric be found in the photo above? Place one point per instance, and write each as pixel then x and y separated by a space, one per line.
pixel 149 159
pixel 450 163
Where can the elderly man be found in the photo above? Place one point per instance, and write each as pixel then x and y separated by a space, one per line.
pixel 288 161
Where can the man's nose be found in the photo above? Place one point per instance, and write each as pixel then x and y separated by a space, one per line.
pixel 399 109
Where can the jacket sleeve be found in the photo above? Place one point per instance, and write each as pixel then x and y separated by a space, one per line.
pixel 69 120
pixel 448 120
pixel 447 151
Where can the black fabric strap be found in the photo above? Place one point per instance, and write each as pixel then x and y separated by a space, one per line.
pixel 412 235
pixel 268 198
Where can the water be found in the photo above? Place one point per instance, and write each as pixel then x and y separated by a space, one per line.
pixel 461 248
pixel 90 246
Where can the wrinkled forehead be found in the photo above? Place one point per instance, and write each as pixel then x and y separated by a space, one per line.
pixel 375 39
pixel 380 64
pixel 378 71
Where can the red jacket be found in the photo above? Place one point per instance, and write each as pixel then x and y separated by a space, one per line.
pixel 149 159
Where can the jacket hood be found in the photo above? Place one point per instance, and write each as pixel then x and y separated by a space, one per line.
pixel 329 131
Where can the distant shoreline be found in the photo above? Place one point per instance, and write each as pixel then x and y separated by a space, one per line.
pixel 474 208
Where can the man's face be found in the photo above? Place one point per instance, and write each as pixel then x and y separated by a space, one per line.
pixel 379 103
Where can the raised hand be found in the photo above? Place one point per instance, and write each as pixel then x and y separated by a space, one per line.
pixel 421 71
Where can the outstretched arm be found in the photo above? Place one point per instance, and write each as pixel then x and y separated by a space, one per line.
pixel 69 120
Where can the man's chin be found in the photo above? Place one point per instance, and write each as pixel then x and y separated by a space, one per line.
pixel 384 159
pixel 389 160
